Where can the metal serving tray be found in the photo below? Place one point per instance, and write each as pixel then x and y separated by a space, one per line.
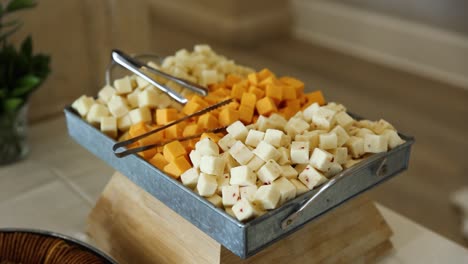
pixel 243 239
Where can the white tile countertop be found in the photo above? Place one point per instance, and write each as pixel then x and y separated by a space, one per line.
pixel 57 185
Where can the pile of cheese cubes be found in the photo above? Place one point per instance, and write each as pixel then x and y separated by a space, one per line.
pixel 131 99
pixel 261 166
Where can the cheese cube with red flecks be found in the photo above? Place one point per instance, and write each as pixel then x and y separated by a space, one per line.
pixel 340 155
pixel 243 210
pixel 190 178
pixel 355 146
pixel 230 195
pixel 311 177
pixel 328 141
pixel 212 165
pixel 267 197
pixel 285 158
pixel 206 147
pixel 300 152
pixel 237 130
pixel 269 172
pixel 300 187
pixel 288 172
pixel 273 137
pixel 226 142
pixel 321 159
pixel 207 185
pixel 375 143
pixel 266 151
pixel 248 192
pixel 254 137
pixel 286 189
pixel 222 181
pixel 216 200
pixel 243 176
pixel 255 163
pixel 241 153
pixel 334 169
pixel 342 135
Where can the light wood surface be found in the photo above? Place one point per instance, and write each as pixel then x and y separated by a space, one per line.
pixel 134 227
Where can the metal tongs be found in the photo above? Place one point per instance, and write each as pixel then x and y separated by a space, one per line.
pixel 138 68
pixel 125 143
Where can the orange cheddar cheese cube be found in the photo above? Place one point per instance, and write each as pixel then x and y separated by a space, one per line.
pixel 287 112
pixel 275 92
pixel 294 83
pixel 315 97
pixel 246 114
pixel 232 79
pixel 289 93
pixel 152 139
pixel 259 93
pixel 228 116
pixel 176 167
pixel 158 161
pixel 208 121
pixel 263 74
pixel 148 154
pixel 266 106
pixel 174 131
pixel 191 107
pixel 249 100
pixel 252 77
pixel 197 99
pixel 173 150
pixel 237 90
pixel 137 129
pixel 214 137
pixel 165 116
pixel 233 105
pixel 269 80
pixel 190 130
pixel 294 105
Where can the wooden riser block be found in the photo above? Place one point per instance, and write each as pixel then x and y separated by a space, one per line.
pixel 134 227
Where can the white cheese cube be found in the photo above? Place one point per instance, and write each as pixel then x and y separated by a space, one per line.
pixel 277 121
pixel 208 77
pixel 267 197
pixel 288 172
pixel 237 130
pixel 241 153
pixel 300 152
pixel 351 162
pixel 140 115
pixel 124 123
pixel 195 158
pixel 300 167
pixel 148 98
pixel 269 172
pixel 334 169
pixel 243 176
pixel 362 132
pixel 375 143
pixel 266 151
pixel 344 120
pixel 321 159
pixel 263 123
pixel 206 147
pixel 202 48
pixel 286 189
pixel 355 146
pixel 335 107
pixel 216 200
pixel 310 111
pixel 254 137
pixel 310 177
pixel 341 134
pixel 286 141
pixel 255 163
pixel 340 155
pixel 132 98
pixel 365 124
pixel 229 211
pixel 300 187
pixel 95 113
pixel 311 136
pixel 222 181
pixel 141 83
pixel 123 86
pixel 296 126
pixel 243 210
pixel 212 165
pixel 230 195
pixel 251 127
pixel 393 138
pixel 118 106
pixel 226 142
pixel 206 185
pixel 190 178
pixel 229 161
pixel 284 156
pixel 106 93
pixel 328 141
pixel 324 118
pixel 109 126
pixel 273 137
pixel 248 192
pixel 380 126
pixel 83 104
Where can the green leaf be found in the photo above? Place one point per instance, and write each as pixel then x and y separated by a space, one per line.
pixel 26 47
pixel 12 104
pixel 16 5
pixel 25 85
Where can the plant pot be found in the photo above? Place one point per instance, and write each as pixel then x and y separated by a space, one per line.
pixel 13 135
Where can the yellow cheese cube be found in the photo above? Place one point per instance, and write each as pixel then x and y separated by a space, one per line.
pixel 148 154
pixel 138 129
pixel 246 114
pixel 174 131
pixel 228 116
pixel 259 93
pixel 176 167
pixel 289 93
pixel 263 74
pixel 165 116
pixel 214 137
pixel 232 79
pixel 315 97
pixel 208 121
pixel 275 92
pixel 237 90
pixel 152 139
pixel 159 161
pixel 252 77
pixel 294 83
pixel 173 150
pixel 233 105
pixel 266 106
pixel 191 130
pixel 249 99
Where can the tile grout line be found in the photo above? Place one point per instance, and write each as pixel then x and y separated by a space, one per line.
pixel 74 187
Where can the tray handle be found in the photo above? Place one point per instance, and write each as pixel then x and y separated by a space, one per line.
pixel 293 217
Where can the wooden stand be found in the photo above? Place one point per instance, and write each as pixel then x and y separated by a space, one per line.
pixel 134 227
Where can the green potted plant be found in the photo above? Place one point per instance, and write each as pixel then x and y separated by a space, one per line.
pixel 21 73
